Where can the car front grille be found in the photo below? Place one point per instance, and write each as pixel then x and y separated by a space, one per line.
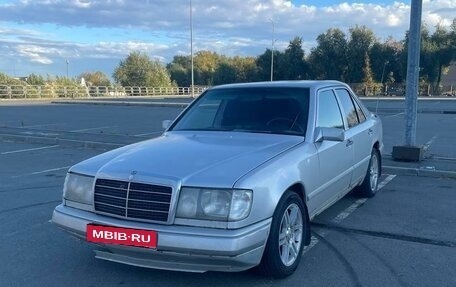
pixel 132 199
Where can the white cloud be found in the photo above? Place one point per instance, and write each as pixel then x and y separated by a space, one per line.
pixel 230 27
pixel 34 54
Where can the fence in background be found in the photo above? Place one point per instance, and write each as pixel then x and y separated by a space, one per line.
pixel 49 91
pixel 398 89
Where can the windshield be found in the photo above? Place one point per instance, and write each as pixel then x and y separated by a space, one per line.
pixel 262 110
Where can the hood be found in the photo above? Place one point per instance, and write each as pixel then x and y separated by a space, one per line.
pixel 215 159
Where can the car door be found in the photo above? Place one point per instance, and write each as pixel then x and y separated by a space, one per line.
pixel 359 131
pixel 335 157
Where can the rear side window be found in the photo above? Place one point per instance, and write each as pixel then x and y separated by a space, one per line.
pixel 359 111
pixel 349 110
pixel 329 115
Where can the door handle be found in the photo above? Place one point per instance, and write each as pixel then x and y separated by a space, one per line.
pixel 370 132
pixel 349 143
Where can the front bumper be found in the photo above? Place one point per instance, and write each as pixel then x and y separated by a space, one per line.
pixel 182 248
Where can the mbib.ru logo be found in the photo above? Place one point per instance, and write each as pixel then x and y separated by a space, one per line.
pixel 122 236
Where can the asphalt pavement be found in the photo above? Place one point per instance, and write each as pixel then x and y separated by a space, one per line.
pixel 404 236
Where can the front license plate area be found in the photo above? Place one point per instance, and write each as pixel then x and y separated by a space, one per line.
pixel 121 236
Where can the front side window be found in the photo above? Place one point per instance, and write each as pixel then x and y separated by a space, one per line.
pixel 254 109
pixel 349 110
pixel 329 115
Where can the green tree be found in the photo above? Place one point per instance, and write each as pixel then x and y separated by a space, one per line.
pixel 443 53
pixel 36 80
pixel 370 87
pixel 361 40
pixel 225 73
pixel 62 81
pixel 205 65
pixel 263 63
pixel 7 80
pixel 139 70
pixel 236 70
pixel 386 58
pixel 245 68
pixel 293 65
pixel 328 60
pixel 95 78
pixel 180 70
pixel 368 77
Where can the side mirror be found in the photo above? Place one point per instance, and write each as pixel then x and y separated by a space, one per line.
pixel 329 134
pixel 166 124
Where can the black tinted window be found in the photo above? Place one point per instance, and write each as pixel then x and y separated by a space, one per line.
pixel 328 111
pixel 348 107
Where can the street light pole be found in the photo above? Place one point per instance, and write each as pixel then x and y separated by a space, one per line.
pixel 191 50
pixel 272 52
pixel 410 151
pixel 413 67
pixel 383 74
pixel 67 63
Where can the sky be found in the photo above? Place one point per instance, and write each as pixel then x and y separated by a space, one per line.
pixel 40 36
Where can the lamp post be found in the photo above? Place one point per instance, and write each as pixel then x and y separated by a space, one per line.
pixel 383 73
pixel 67 63
pixel 272 52
pixel 410 151
pixel 191 50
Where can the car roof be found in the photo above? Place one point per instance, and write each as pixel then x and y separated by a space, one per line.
pixel 315 84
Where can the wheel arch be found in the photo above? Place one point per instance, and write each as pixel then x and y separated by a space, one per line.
pixel 377 147
pixel 299 189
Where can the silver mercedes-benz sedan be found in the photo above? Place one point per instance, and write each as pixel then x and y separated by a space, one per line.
pixel 232 183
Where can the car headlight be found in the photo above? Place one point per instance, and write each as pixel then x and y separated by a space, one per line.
pixel 214 204
pixel 78 188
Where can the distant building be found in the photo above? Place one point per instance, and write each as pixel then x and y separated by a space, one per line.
pixel 21 78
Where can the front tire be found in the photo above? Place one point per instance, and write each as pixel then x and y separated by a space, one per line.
pixel 369 186
pixel 286 239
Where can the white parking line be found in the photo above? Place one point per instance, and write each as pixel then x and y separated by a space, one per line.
pixel 150 133
pixel 41 171
pixel 91 129
pixel 29 149
pixel 344 214
pixel 395 115
pixel 428 144
pixel 41 125
pixel 387 180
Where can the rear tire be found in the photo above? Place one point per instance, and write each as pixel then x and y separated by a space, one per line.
pixel 286 239
pixel 369 186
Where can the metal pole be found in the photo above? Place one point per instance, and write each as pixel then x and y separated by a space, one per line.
pixel 191 49
pixel 272 52
pixel 381 81
pixel 67 62
pixel 383 72
pixel 413 66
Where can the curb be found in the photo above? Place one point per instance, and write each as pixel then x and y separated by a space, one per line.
pixel 117 103
pixel 418 172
